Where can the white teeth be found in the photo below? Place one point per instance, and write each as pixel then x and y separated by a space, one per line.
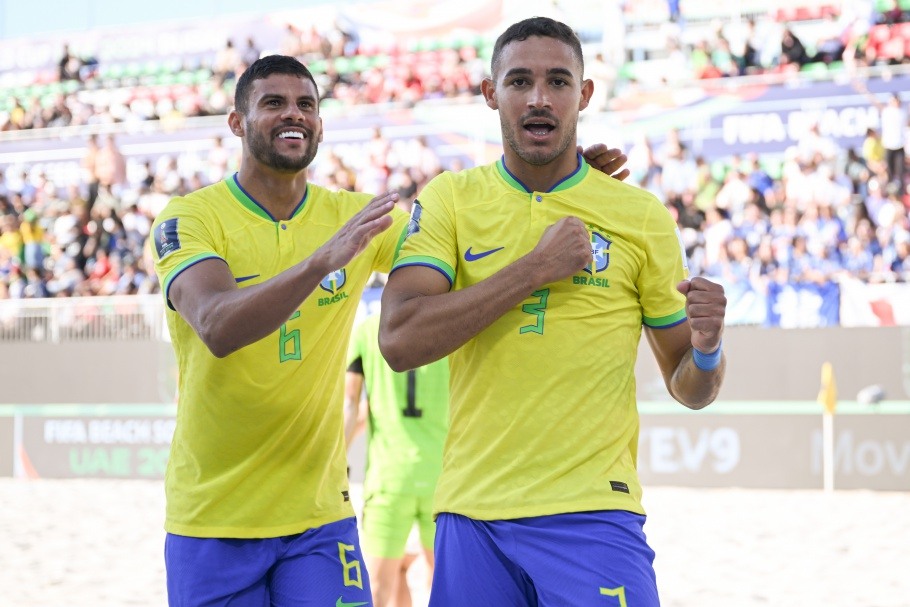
pixel 290 135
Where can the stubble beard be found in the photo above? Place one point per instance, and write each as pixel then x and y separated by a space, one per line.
pixel 262 151
pixel 535 156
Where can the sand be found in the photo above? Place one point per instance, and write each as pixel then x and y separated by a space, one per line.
pixel 99 543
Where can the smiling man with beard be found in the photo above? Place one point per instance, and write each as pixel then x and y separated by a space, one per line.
pixel 258 509
pixel 537 277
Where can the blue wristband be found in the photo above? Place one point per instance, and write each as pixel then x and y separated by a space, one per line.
pixel 707 362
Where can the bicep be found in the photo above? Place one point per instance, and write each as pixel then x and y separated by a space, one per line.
pixel 413 281
pixel 195 291
pixel 669 345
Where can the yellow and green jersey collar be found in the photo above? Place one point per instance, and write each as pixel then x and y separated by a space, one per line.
pixel 572 179
pixel 255 207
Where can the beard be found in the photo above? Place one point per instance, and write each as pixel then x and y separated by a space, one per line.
pixel 533 155
pixel 264 152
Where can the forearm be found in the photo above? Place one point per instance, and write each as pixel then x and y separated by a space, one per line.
pixel 694 387
pixel 239 317
pixel 419 329
pixel 352 425
pixel 354 406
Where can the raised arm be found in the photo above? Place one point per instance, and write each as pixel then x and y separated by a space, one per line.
pixel 422 321
pixel 228 318
pixel 689 354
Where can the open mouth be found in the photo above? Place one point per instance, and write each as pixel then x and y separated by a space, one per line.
pixel 539 130
pixel 538 126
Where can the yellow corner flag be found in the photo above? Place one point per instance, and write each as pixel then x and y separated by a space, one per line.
pixel 827 396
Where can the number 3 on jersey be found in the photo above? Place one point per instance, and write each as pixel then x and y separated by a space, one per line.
pixel 536 308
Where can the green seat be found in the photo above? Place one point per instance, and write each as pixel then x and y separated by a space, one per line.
pixel 360 63
pixel 201 75
pixel 113 71
pixel 343 65
pixel 816 69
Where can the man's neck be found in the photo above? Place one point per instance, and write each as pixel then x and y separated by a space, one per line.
pixel 542 178
pixel 278 192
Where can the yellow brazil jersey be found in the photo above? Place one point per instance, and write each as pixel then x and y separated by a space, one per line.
pixel 258 449
pixel 543 418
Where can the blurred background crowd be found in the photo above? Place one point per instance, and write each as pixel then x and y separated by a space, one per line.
pixel 820 211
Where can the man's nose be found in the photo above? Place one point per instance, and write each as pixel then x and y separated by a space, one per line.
pixel 539 96
pixel 292 112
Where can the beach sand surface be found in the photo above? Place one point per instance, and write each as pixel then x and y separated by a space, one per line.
pixel 99 543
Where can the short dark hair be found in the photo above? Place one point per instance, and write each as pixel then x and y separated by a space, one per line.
pixel 537 26
pixel 263 68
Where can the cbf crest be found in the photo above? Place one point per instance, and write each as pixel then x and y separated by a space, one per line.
pixel 334 281
pixel 600 254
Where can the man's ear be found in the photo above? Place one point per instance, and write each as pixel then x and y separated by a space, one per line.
pixel 321 131
pixel 488 88
pixel 587 89
pixel 235 122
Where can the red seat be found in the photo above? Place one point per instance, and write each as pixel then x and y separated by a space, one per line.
pixel 879 34
pixel 893 48
pixel 785 14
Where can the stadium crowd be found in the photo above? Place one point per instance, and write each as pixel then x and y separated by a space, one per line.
pixel 821 214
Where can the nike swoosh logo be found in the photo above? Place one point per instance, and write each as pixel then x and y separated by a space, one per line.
pixel 341 603
pixel 241 279
pixel 469 256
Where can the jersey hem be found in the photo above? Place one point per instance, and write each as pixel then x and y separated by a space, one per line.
pixel 498 514
pixel 254 533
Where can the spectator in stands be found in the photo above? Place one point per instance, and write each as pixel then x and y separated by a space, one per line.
pixel 792 50
pixel 815 148
pixel 894 122
pixel 892 13
pixel 33 241
pixel 218 160
pixel 874 153
pixel 68 66
pixel 857 172
pixel 224 67
pixel 679 175
pixel 250 53
pixel 16 119
pixel 11 239
pixel 858 260
pixel 900 264
pixel 110 166
pixel 831 41
pixel 753 46
pixel 290 42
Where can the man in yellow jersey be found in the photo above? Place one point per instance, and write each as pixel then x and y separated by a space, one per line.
pixel 406 417
pixel 535 276
pixel 262 273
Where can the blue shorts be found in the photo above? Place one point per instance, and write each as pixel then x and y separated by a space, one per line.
pixel 598 559
pixel 319 567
